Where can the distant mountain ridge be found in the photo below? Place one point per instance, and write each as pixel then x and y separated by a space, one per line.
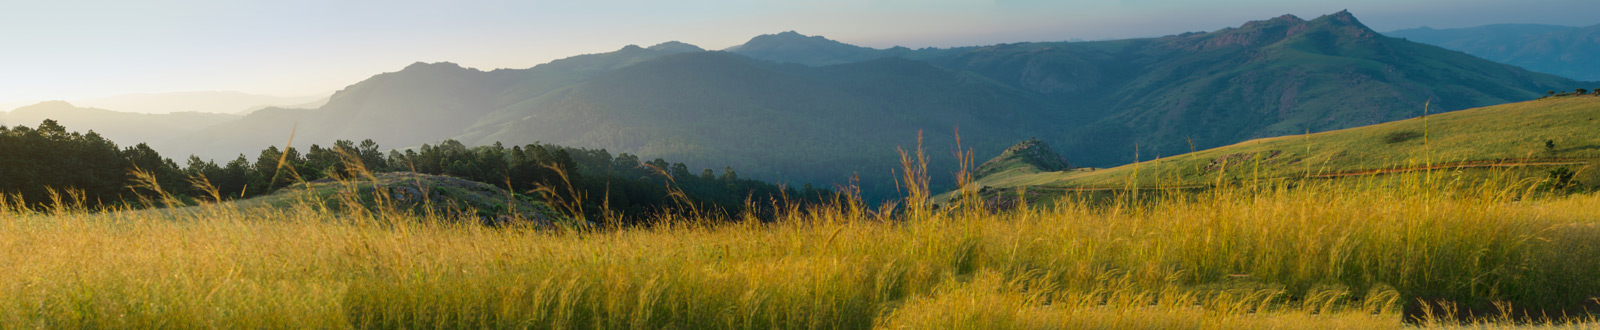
pixel 197 101
pixel 156 129
pixel 422 103
pixel 801 109
pixel 1562 50
pixel 793 47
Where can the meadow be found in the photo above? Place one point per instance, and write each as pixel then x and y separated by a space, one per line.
pixel 1318 255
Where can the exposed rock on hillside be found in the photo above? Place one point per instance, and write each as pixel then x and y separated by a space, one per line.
pixel 1033 155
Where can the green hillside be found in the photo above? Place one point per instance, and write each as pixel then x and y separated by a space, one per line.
pixel 1501 137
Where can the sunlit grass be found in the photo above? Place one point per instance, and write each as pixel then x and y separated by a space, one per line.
pixel 1316 256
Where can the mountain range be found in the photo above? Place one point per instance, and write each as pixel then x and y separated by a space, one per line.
pixel 804 109
pixel 199 101
pixel 159 130
pixel 1562 50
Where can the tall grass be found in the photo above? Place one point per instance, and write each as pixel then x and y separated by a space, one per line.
pixel 1319 255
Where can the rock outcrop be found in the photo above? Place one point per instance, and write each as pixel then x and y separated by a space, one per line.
pixel 1031 155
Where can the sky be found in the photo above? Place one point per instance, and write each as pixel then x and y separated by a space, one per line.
pixel 70 49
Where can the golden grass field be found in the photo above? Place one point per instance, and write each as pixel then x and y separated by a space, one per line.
pixel 1316 256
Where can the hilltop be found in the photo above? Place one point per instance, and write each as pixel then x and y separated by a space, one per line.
pixel 1031 156
pixel 793 47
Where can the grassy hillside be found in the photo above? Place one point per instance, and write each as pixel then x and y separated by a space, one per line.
pixel 1507 135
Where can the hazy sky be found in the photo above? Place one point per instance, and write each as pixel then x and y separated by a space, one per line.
pixel 67 49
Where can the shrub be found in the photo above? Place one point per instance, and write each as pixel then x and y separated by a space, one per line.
pixel 1401 136
pixel 1561 178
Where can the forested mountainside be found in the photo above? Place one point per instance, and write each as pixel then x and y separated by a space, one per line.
pixel 800 109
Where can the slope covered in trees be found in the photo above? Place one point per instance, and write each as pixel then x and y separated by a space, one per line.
pixel 48 164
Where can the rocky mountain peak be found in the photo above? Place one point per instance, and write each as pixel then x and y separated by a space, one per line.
pixel 1343 16
pixel 1345 25
pixel 1285 20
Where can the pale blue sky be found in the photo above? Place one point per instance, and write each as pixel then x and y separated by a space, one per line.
pixel 82 49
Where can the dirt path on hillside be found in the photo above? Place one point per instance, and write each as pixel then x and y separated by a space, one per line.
pixel 1441 166
pixel 1190 186
pixel 1451 166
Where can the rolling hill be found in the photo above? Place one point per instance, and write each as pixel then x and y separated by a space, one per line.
pixel 1503 136
pixel 1561 50
pixel 799 109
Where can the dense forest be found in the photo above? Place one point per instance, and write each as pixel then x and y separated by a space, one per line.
pixel 38 165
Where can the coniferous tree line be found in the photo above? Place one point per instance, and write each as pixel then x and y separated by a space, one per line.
pixel 35 162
